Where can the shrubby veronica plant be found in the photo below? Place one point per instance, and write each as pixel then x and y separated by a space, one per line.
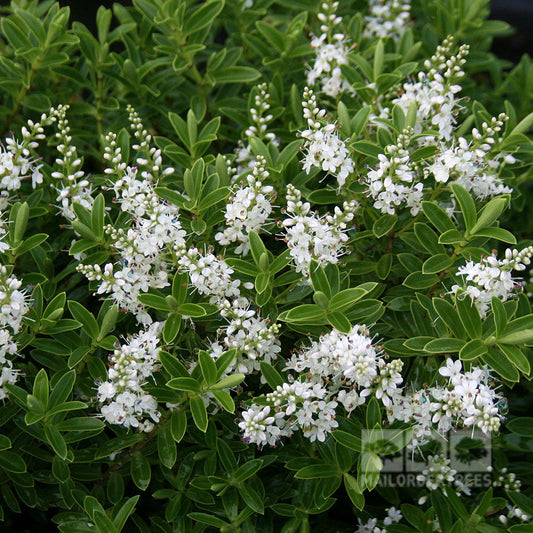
pixel 249 251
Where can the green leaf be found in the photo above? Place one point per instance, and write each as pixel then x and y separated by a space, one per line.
pixel 210 520
pixel 228 382
pixel 384 265
pixel 468 207
pixel 104 523
pixel 347 439
pixel 518 331
pixel 450 317
pixel 438 217
pixel 192 310
pixel 12 462
pixel 199 413
pixel 319 280
pixel 317 472
pixel 140 470
pixel 172 365
pixel 5 443
pixel 339 322
pixel 40 387
pixel 247 470
pixel 166 446
pixel 437 263
pixel 521 426
pixel 208 367
pixel 203 16
pixel 81 423
pixel 225 400
pixel 236 75
pixel 30 243
pixel 154 301
pixel 499 314
pixel 499 234
pixel 345 299
pixel 472 350
pixel 517 357
pixel 367 148
pixel 64 407
pixel 56 441
pixel 307 314
pixel 251 498
pixel 384 225
pixel 244 267
pixel 428 239
pixel 178 424
pixel 417 280
pixel 187 384
pixel 501 366
pixel 354 493
pixel 256 247
pixel 271 375
pixel 452 236
pixel 444 345
pixel 469 316
pixel 97 216
pixel 89 323
pixel 125 511
pixel 521 501
pixel 491 212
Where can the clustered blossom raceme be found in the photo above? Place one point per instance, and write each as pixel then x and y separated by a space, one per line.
pixel 473 165
pixel 491 277
pixel 208 274
pixel 370 526
pixel 252 336
pixel 434 92
pixel 439 473
pixel 74 186
pixel 311 237
pixel 248 209
pixel 466 400
pixel 131 365
pixel 322 146
pixel 261 117
pixel 155 227
pixel 338 368
pixel 331 52
pixel 16 162
pixel 387 18
pixel 393 183
pixel 13 307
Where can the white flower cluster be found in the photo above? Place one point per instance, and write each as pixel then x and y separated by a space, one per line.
pixel 299 405
pixel 331 52
pixel 248 209
pixel 74 186
pixel 209 275
pixel 434 92
pixel 491 277
pixel 387 18
pixel 13 307
pixel 309 236
pixel 126 403
pixel 439 473
pixel 350 366
pixel 338 368
pixel 466 400
pixel 370 526
pixel 471 165
pixel 4 247
pixel 155 227
pixel 16 162
pixel 261 117
pixel 394 182
pixel 514 512
pixel 252 336
pixel 322 146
